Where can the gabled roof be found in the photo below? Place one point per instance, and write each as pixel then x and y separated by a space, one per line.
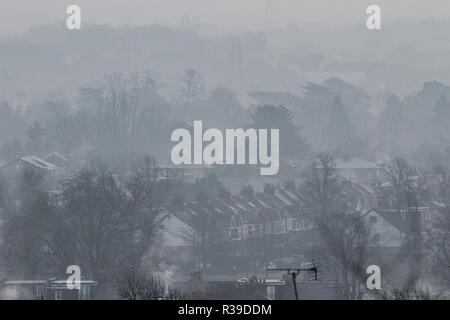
pixel 393 217
pixel 272 205
pixel 364 196
pixel 289 199
pixel 50 281
pixel 354 163
pixel 56 154
pixel 38 162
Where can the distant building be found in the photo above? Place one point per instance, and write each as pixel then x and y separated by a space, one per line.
pixel 357 170
pixel 386 229
pixel 247 222
pixel 235 288
pixel 15 170
pixel 240 217
pixel 57 159
pixel 189 172
pixel 306 290
pixel 32 162
pixel 46 290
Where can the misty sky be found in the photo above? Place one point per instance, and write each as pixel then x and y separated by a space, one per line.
pixel 17 15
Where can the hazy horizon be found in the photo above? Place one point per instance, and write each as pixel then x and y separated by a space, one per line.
pixel 20 15
pixel 224 138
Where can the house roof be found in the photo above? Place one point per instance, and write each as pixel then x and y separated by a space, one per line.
pixel 354 163
pixel 393 217
pixel 23 282
pixel 38 162
pixel 317 290
pixel 56 154
pixel 363 198
pixel 64 282
pixel 51 282
pixel 262 207
pixel 185 166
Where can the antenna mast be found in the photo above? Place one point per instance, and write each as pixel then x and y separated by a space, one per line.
pixel 294 272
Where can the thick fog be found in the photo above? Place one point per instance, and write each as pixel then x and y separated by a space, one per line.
pixel 359 148
pixel 17 16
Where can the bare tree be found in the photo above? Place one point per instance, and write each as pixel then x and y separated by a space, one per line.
pixel 223 106
pixel 134 285
pixel 437 239
pixel 192 89
pixel 407 184
pixel 22 251
pixel 101 222
pixel 322 187
pixel 406 293
pixel 204 232
pixel 342 235
pixel 408 192
pixel 343 252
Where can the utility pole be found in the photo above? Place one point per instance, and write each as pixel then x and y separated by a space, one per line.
pixel 294 272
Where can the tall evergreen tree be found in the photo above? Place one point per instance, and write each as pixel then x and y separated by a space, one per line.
pixel 292 144
pixel 339 128
pixel 442 109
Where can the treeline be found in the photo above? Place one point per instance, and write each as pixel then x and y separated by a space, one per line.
pixel 132 115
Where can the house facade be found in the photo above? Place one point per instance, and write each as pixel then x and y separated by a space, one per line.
pixel 51 289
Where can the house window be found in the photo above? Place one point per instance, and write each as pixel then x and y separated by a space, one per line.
pixel 40 291
pixel 373 219
pixel 234 233
pixel 58 295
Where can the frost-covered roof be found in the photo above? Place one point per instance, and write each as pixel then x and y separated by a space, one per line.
pixel 261 207
pixel 56 154
pixel 38 162
pixel 354 163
